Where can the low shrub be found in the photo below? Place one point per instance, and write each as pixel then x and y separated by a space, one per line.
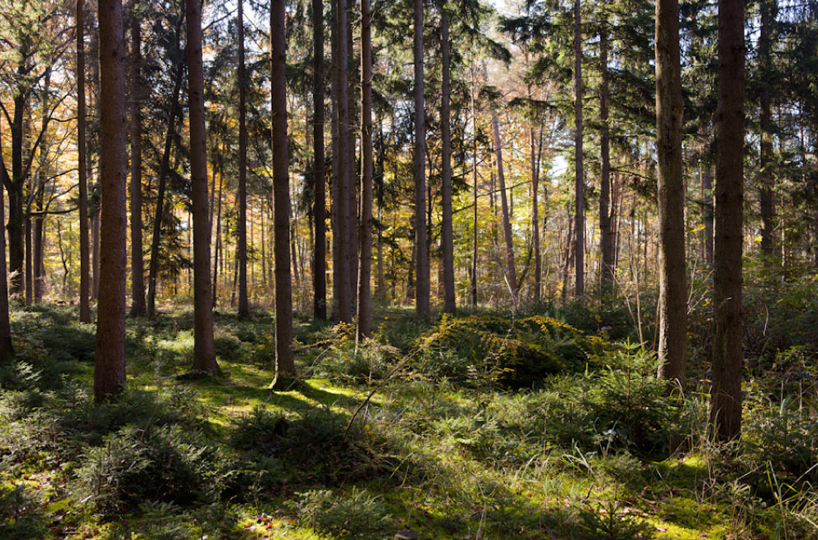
pixel 355 514
pixel 136 465
pixel 516 353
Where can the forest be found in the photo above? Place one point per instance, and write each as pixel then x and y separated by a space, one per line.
pixel 427 269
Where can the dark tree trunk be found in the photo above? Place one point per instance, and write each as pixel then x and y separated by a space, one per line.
pixel 474 203
pixel 204 352
pixel 365 266
pixel 606 246
pixel 344 182
pixel 6 348
pixel 241 255
pixel 728 360
pixel 82 168
pixel 579 209
pixel 109 357
pixel 320 209
pixel 419 172
pixel 164 167
pixel 137 262
pixel 766 180
pixel 707 217
pixel 219 245
pixel 672 277
pixel 285 365
pixel 95 262
pixel 446 233
pixel 15 224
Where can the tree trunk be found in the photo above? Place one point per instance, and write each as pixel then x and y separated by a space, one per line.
pixel 446 233
pixel 285 365
pixel 6 348
pixel 95 262
pixel 137 262
pixel 474 202
pixel 219 246
pixel 109 357
pixel 204 352
pixel 605 229
pixel 707 217
pixel 672 277
pixel 164 167
pixel 15 191
pixel 241 255
pixel 511 272
pixel 319 277
pixel 766 180
pixel 344 182
pixel 728 361
pixel 419 172
pixel 365 266
pixel 85 309
pixel 579 182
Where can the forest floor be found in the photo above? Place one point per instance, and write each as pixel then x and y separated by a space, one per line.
pixel 547 425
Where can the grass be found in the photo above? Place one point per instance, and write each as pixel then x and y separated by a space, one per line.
pixel 446 458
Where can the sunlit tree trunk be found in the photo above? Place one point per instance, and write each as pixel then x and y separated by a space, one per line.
pixel 285 365
pixel 672 307
pixel 511 272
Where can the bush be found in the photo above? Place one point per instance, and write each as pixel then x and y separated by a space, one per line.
pixel 137 465
pixel 317 443
pixel 370 360
pixel 353 515
pixel 624 406
pixel 516 353
pixel 783 437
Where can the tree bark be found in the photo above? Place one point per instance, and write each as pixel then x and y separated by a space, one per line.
pixel 285 365
pixel 419 171
pixel 6 348
pixel 579 182
pixel 766 178
pixel 365 266
pixel 109 357
pixel 204 352
pixel 138 306
pixel 672 277
pixel 474 201
pixel 164 167
pixel 511 272
pixel 341 193
pixel 319 209
pixel 446 233
pixel 707 217
pixel 241 255
pixel 82 168
pixel 728 361
pixel 605 229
